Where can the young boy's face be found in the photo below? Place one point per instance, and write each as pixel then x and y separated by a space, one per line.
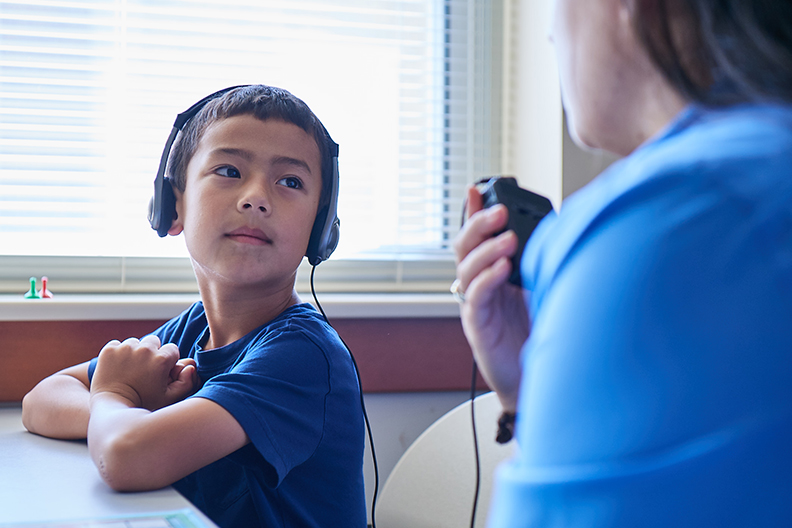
pixel 250 200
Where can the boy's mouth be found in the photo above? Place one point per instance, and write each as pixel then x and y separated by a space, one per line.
pixel 248 235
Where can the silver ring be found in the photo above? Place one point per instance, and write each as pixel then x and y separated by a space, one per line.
pixel 459 295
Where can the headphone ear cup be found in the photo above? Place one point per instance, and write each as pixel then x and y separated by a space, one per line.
pixel 167 211
pixel 324 238
pixel 330 242
pixel 327 227
pixel 162 206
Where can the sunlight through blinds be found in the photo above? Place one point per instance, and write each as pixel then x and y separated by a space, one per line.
pixel 89 90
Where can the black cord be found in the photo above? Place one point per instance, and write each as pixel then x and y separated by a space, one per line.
pixel 475 443
pixel 362 405
pixel 473 396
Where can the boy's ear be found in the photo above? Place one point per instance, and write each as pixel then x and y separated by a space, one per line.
pixel 176 225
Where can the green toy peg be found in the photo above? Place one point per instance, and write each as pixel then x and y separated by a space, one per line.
pixel 32 294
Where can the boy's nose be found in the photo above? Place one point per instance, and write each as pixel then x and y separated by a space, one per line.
pixel 249 205
pixel 255 197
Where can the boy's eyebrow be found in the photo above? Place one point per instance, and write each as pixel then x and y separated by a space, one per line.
pixel 278 160
pixel 242 153
pixel 286 160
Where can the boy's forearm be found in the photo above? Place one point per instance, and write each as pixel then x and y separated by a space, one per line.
pixel 111 439
pixel 58 408
pixel 120 445
pixel 136 449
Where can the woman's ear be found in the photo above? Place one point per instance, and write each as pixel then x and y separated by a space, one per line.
pixel 627 8
pixel 176 224
pixel 625 13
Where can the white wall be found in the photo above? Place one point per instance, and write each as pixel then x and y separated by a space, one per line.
pixel 536 146
pixel 532 121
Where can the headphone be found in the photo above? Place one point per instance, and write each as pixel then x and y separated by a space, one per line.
pixel 162 206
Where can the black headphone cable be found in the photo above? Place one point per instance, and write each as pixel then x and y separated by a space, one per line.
pixel 362 405
pixel 472 401
pixel 475 443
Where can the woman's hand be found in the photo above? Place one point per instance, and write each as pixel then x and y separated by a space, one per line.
pixel 494 315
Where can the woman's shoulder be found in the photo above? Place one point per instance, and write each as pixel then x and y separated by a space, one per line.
pixel 712 173
pixel 736 155
pixel 746 140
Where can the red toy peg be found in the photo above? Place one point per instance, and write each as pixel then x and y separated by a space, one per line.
pixel 44 293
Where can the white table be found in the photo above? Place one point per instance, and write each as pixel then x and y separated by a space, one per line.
pixel 44 480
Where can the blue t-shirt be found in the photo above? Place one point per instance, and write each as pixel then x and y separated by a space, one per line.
pixel 657 379
pixel 292 387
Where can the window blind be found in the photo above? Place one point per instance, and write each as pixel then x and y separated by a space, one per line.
pixel 89 90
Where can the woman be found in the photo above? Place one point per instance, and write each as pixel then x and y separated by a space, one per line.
pixel 650 367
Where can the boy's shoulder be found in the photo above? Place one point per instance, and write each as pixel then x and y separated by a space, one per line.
pixel 304 319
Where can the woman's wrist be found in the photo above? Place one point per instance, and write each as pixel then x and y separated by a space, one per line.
pixel 506 424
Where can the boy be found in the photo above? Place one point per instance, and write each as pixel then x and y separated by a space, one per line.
pixel 251 408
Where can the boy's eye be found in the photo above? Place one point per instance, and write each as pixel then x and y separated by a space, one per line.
pixel 228 172
pixel 291 182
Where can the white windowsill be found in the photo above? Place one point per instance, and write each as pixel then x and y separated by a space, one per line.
pixel 95 307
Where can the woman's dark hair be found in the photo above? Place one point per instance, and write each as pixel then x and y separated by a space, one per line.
pixel 720 52
pixel 263 102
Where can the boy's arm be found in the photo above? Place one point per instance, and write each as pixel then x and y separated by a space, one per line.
pixel 58 406
pixel 135 448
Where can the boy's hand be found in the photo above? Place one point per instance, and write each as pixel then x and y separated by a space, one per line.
pixel 144 373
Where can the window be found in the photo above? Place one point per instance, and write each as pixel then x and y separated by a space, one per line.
pixel 89 90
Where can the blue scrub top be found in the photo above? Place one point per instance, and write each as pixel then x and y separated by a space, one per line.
pixel 657 380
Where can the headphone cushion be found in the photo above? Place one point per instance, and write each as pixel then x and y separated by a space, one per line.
pixel 167 210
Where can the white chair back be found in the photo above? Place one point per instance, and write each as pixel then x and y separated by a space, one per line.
pixel 433 484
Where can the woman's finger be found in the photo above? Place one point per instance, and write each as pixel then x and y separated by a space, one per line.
pixel 480 227
pixel 474 203
pixel 484 256
pixel 482 288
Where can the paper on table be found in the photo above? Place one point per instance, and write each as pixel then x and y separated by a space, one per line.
pixel 171 519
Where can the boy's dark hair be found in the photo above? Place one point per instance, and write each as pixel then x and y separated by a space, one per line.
pixel 720 52
pixel 263 102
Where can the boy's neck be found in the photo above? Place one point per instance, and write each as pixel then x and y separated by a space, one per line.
pixel 233 315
